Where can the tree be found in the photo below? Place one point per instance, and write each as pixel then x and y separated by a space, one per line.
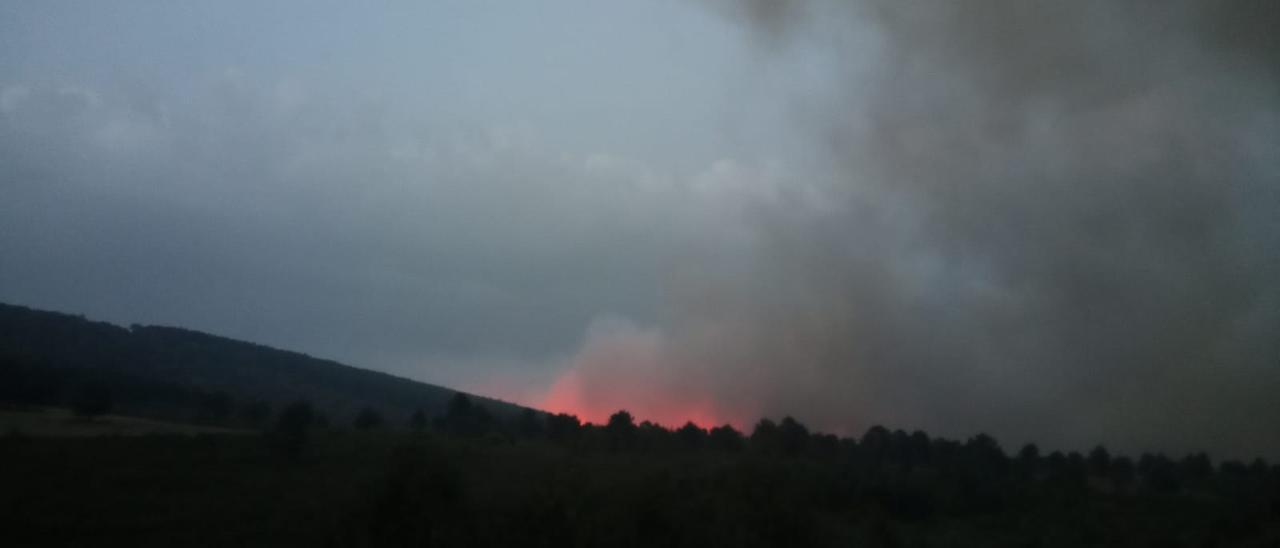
pixel 824 445
pixel 621 430
pixel 1196 466
pixel 459 405
pixel 1029 454
pixel 875 443
pixel 418 420
pixel 725 438
pixel 563 427
pixel 764 438
pixel 919 448
pixel 986 456
pixel 1159 473
pixel 1121 472
pixel 481 419
pixel 368 419
pixel 1099 461
pixel 530 426
pixel 462 417
pixel 292 428
pixel 257 412
pixel 653 437
pixel 793 436
pixel 1028 460
pixel 621 423
pixel 691 436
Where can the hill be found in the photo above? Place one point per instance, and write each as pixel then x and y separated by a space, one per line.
pixel 50 358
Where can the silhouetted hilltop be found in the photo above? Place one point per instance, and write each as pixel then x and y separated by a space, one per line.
pixel 49 358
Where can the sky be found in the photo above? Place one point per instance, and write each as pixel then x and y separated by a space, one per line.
pixel 1051 222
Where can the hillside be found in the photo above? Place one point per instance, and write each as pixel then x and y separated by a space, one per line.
pixel 49 358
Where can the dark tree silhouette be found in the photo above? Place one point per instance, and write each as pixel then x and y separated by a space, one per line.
pixel 793 436
pixel 691 436
pixel 875 443
pixel 1028 461
pixel 462 417
pixel 293 428
pixel 418 420
pixel 530 425
pixel 1029 454
pixel 765 437
pixel 985 457
pixel 1159 473
pixel 1196 466
pixel 919 448
pixel 459 405
pixel 257 412
pixel 1099 462
pixel 621 430
pixel 483 420
pixel 368 419
pixel 653 437
pixel 563 427
pixel 621 423
pixel 1122 472
pixel 725 438
pixel 824 445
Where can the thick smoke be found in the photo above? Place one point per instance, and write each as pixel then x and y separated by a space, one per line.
pixel 1052 221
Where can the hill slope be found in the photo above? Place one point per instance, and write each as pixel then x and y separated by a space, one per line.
pixel 50 358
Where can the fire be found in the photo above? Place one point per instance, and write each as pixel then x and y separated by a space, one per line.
pixel 624 367
pixel 595 404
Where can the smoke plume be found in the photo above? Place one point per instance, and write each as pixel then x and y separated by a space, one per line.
pixel 1051 221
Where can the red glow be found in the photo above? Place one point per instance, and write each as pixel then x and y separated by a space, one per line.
pixel 568 395
pixel 622 367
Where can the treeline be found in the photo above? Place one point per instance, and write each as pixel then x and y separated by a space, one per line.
pixel 913 470
pixel 472 479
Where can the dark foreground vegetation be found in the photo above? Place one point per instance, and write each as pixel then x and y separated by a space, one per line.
pixel 549 481
pixel 286 450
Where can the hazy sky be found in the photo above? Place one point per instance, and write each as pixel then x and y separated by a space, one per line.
pixel 1045 220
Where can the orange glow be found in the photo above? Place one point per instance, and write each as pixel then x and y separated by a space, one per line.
pixel 567 395
pixel 622 367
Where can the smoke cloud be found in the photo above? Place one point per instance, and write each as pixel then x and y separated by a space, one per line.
pixel 1051 221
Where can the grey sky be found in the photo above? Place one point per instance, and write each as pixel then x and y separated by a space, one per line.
pixel 445 179
pixel 1048 221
